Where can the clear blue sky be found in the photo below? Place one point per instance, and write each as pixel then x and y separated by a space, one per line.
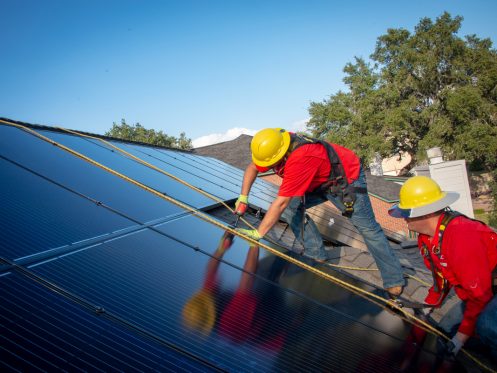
pixel 200 67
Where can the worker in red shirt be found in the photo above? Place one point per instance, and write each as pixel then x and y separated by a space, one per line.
pixel 313 172
pixel 460 252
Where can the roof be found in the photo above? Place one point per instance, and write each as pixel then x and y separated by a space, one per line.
pixel 107 263
pixel 234 152
pixel 383 188
pixel 237 153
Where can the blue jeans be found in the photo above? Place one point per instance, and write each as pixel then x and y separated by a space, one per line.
pixel 362 218
pixel 486 326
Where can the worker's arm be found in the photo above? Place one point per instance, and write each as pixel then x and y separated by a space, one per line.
pixel 249 177
pixel 273 215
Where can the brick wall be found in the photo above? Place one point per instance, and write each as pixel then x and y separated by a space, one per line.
pixel 380 209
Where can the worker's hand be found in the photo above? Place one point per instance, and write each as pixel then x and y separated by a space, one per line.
pixel 423 313
pixel 252 233
pixel 452 347
pixel 241 205
pixel 226 241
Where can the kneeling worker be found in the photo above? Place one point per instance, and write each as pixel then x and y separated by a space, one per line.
pixel 313 172
pixel 460 252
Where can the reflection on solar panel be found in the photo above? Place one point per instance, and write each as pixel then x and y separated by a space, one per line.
pixel 100 274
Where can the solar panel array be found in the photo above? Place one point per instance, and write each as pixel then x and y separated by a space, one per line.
pixel 97 273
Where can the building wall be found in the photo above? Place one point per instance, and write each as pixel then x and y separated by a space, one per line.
pixel 380 209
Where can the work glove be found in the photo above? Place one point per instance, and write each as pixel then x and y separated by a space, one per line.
pixel 423 313
pixel 241 205
pixel 252 233
pixel 454 345
pixel 449 349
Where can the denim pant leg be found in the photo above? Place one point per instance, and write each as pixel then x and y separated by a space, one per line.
pixel 486 326
pixel 364 220
pixel 312 241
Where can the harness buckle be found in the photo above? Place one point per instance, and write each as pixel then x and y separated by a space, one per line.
pixel 349 208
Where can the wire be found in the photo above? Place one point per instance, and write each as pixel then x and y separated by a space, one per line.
pixel 389 304
pixel 208 195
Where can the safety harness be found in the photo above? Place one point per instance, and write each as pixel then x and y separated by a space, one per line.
pixel 449 215
pixel 337 183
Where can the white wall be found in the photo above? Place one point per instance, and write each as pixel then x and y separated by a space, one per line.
pixel 452 176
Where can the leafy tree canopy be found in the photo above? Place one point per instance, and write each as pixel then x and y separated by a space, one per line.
pixel 419 90
pixel 422 89
pixel 139 133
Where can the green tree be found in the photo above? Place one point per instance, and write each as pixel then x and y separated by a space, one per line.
pixel 422 89
pixel 139 133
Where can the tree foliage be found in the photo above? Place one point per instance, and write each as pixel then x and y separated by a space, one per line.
pixel 419 90
pixel 139 133
pixel 427 89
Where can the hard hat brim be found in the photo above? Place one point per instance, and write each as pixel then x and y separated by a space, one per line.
pixel 199 312
pixel 279 156
pixel 448 199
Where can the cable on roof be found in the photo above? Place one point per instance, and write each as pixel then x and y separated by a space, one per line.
pixel 380 301
pixel 208 195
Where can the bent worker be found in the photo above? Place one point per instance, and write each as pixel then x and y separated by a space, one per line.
pixel 313 172
pixel 460 252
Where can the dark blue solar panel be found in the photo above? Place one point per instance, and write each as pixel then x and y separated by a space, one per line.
pixel 72 172
pixel 42 331
pixel 116 161
pixel 191 174
pixel 153 278
pixel 37 215
pixel 261 194
pixel 249 312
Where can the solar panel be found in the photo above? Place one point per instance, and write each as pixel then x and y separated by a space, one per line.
pixel 136 283
pixel 39 215
pixel 130 168
pixel 42 331
pixel 61 167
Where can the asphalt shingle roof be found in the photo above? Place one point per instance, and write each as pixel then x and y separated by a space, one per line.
pixel 235 152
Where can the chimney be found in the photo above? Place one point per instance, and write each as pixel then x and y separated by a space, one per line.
pixel 435 155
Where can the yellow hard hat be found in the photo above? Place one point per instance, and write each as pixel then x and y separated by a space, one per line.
pixel 421 195
pixel 199 313
pixel 269 146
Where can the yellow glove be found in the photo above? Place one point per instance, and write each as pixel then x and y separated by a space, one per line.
pixel 241 205
pixel 252 233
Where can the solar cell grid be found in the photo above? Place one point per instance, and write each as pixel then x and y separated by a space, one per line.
pixel 38 215
pixel 281 319
pixel 130 168
pixel 43 331
pixel 74 173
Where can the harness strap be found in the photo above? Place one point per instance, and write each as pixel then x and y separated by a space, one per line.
pixel 337 183
pixel 448 217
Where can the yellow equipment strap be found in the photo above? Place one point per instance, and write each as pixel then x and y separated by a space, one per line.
pixel 406 316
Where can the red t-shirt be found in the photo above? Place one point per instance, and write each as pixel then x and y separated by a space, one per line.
pixel 236 322
pixel 468 256
pixel 308 167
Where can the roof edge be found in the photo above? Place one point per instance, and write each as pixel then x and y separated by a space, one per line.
pixel 59 130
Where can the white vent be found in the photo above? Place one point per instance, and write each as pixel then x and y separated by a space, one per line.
pixel 435 155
